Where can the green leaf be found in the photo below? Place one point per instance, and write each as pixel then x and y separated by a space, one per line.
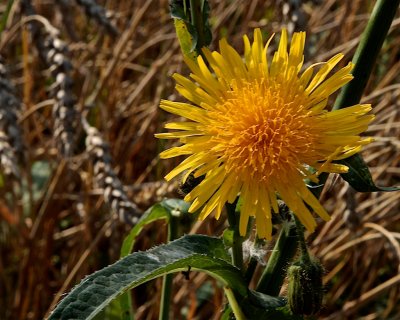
pixel 191 25
pixel 162 210
pixel 261 306
pixel 228 236
pixel 265 301
pixel 178 10
pixel 198 252
pixel 187 40
pixel 113 312
pixel 258 306
pixel 154 213
pixel 176 207
pixel 359 176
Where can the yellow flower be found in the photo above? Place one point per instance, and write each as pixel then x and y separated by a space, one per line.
pixel 258 128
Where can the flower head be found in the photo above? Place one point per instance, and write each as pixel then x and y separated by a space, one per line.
pixel 258 129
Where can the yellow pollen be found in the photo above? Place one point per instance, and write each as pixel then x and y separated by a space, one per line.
pixel 262 130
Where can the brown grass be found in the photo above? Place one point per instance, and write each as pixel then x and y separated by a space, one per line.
pixel 54 225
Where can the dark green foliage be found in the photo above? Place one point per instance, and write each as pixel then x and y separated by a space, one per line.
pixel 359 176
pixel 99 289
pixel 195 16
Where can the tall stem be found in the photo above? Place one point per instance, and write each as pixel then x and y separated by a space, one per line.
pixel 284 250
pixel 197 20
pixel 367 51
pixel 237 249
pixel 302 241
pixel 364 59
pixel 167 280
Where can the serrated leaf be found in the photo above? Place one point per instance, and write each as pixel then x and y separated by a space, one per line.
pixel 198 252
pixel 359 176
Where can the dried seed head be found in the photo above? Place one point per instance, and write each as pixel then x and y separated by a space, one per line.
pixel 54 53
pixel 105 177
pixel 7 157
pixel 11 143
pixel 99 14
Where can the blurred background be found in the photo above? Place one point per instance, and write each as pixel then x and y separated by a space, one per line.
pixel 69 192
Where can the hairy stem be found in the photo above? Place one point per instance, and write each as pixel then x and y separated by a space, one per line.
pixel 237 250
pixel 284 250
pixel 302 241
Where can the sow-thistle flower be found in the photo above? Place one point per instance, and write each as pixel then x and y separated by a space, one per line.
pixel 259 129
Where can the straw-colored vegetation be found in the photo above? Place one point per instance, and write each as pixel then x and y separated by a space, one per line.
pixel 69 193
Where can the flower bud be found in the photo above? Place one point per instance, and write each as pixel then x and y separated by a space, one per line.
pixel 305 290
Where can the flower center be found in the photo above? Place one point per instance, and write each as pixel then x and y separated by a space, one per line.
pixel 262 130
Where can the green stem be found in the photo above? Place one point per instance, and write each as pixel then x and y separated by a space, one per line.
pixel 234 304
pixel 302 241
pixel 197 21
pixel 274 273
pixel 367 51
pixel 167 280
pixel 364 59
pixel 237 250
pixel 250 269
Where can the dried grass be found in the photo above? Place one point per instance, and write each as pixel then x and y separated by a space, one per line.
pixel 55 227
